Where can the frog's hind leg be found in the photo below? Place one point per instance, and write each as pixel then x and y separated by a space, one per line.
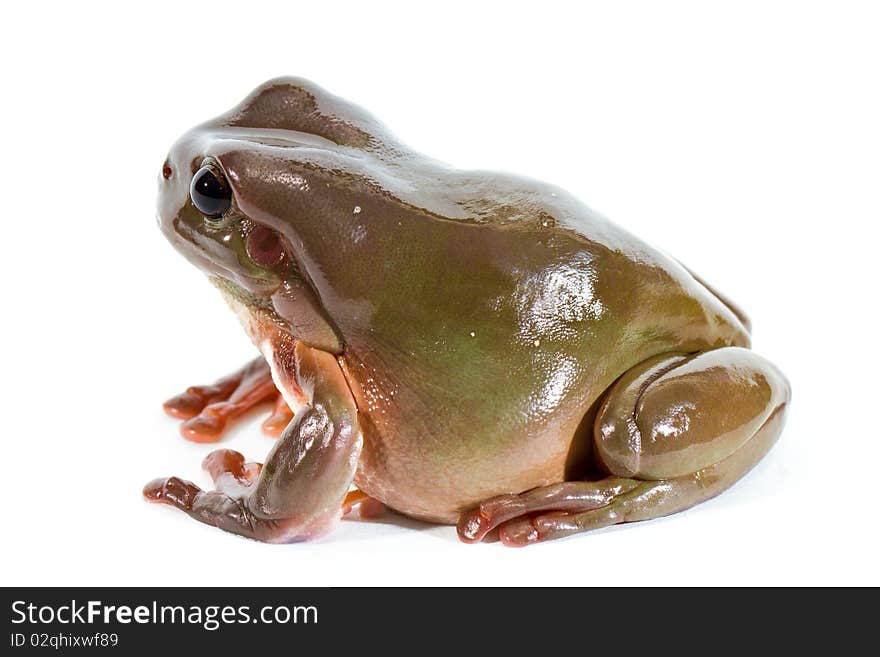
pixel 649 499
pixel 673 432
pixel 207 409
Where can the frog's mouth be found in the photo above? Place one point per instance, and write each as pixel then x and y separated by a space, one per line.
pixel 278 303
pixel 250 290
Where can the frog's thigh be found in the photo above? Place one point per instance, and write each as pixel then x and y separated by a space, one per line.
pixel 299 492
pixel 673 415
pixel 672 432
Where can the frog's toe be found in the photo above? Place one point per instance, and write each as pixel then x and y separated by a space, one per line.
pixel 207 409
pixel 473 525
pixel 230 472
pixel 367 506
pixel 520 532
pixel 208 425
pixel 570 496
pixel 187 404
pixel 171 490
pixel 281 416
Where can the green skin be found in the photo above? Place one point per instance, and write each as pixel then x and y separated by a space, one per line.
pixel 456 344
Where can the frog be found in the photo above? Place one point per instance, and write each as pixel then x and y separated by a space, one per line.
pixel 462 347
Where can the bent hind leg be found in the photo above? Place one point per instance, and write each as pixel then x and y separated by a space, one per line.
pixel 674 431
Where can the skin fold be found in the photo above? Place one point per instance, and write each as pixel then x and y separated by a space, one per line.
pixel 465 347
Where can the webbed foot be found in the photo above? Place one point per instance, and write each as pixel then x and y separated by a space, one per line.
pixel 207 409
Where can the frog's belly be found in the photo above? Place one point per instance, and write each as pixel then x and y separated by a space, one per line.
pixel 436 483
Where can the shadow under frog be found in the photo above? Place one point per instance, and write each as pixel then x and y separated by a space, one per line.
pixel 465 347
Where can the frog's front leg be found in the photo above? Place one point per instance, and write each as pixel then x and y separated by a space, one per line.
pixel 207 409
pixel 301 489
pixel 673 431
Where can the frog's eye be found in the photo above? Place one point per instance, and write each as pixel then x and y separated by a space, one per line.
pixel 210 191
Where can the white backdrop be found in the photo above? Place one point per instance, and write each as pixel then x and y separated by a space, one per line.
pixel 743 138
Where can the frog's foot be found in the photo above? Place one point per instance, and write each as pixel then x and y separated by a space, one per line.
pixel 233 478
pixel 301 489
pixel 231 512
pixel 233 505
pixel 673 431
pixel 565 498
pixel 206 410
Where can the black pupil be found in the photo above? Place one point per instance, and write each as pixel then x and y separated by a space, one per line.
pixel 210 193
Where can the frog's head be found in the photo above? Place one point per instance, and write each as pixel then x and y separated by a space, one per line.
pixel 262 199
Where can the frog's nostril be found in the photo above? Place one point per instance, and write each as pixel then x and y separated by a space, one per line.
pixel 167 171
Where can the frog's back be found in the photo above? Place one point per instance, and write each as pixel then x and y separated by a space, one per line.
pixel 591 268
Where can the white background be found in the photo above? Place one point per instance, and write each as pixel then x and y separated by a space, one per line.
pixel 742 137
